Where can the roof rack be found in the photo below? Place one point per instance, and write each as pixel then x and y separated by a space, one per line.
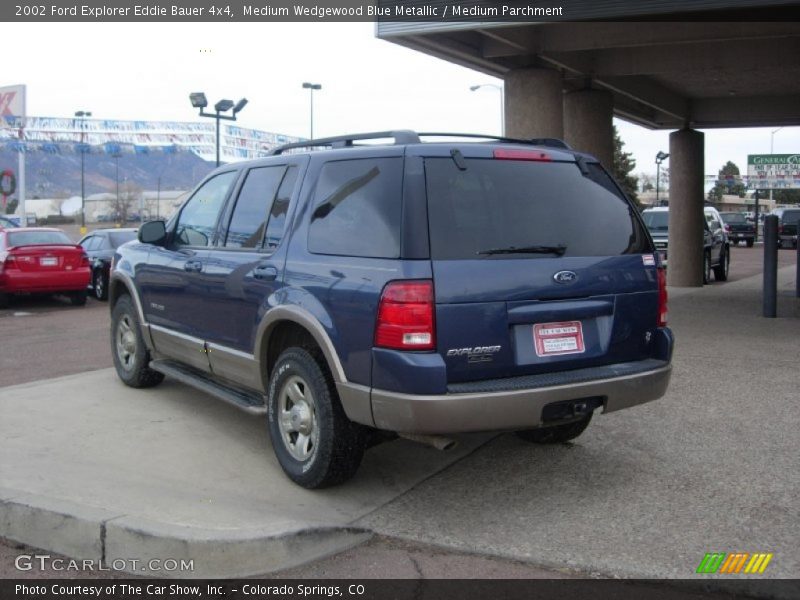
pixel 402 136
pixel 406 136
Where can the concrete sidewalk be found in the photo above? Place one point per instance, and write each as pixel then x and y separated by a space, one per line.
pixel 92 468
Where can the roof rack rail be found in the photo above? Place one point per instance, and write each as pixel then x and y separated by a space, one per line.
pixel 402 136
pixel 551 142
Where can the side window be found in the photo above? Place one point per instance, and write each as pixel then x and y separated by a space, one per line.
pixel 277 216
pixel 198 218
pixel 358 208
pixel 249 220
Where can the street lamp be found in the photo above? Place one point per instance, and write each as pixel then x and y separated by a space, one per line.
pixel 198 100
pixel 474 88
pixel 771 147
pixel 311 87
pixel 660 157
pixel 115 155
pixel 82 114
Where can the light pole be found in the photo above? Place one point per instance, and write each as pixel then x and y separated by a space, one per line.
pixel 660 157
pixel 82 114
pixel 771 147
pixel 115 155
pixel 499 88
pixel 311 87
pixel 198 100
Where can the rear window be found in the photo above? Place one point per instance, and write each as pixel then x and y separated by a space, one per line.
pixel 37 238
pixel 790 216
pixel 656 221
pixel 733 218
pixel 121 237
pixel 496 204
pixel 357 208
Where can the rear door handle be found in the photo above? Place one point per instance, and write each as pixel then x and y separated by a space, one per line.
pixel 193 266
pixel 265 273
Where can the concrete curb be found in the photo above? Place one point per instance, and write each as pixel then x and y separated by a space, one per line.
pixel 144 547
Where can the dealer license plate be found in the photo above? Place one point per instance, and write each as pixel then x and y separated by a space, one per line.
pixel 551 339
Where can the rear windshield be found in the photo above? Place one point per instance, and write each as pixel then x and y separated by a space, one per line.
pixel 656 221
pixel 502 204
pixel 790 216
pixel 121 237
pixel 734 218
pixel 37 238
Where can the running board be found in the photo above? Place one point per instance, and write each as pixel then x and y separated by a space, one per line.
pixel 249 402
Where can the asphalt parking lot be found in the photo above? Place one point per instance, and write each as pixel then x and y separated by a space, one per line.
pixel 646 492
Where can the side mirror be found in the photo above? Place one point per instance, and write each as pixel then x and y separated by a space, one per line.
pixel 153 232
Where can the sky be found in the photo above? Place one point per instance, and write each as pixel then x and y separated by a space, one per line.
pixel 147 71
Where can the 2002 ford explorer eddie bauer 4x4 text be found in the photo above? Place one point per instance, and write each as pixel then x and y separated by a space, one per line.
pixel 417 288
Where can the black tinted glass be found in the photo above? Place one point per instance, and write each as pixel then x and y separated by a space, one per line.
pixel 357 208
pixel 496 204
pixel 121 237
pixel 249 220
pixel 733 218
pixel 198 219
pixel 656 221
pixel 37 238
pixel 790 216
pixel 277 216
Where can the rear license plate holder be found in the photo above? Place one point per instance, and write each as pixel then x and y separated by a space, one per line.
pixel 48 261
pixel 558 339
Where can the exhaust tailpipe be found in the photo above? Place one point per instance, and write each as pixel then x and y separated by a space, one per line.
pixel 435 441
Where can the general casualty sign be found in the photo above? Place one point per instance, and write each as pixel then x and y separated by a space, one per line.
pixel 773 171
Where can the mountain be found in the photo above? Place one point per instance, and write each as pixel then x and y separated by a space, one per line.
pixel 50 175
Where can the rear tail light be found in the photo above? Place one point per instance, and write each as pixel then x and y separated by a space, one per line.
pixel 727 228
pixel 9 263
pixel 780 228
pixel 85 260
pixel 510 154
pixel 405 316
pixel 662 298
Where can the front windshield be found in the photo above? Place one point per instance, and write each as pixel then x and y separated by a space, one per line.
pixel 656 220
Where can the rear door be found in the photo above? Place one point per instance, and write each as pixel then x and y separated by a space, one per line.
pixel 538 265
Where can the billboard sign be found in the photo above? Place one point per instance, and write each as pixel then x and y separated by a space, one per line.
pixel 12 102
pixel 773 171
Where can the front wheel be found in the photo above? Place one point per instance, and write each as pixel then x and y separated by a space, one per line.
pixel 315 443
pixel 556 434
pixel 100 285
pixel 706 268
pixel 131 358
pixel 722 269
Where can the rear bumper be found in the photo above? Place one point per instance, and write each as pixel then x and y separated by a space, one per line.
pixel 61 281
pixel 618 386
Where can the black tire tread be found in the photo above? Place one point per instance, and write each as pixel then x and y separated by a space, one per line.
pixel 142 376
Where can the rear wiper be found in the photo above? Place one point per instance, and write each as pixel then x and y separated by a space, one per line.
pixel 557 250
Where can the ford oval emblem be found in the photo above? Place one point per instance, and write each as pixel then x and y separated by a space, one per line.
pixel 565 276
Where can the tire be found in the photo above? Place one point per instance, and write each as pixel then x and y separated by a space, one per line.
pixel 556 434
pixel 706 268
pixel 750 243
pixel 315 443
pixel 5 300
pixel 78 298
pixel 722 269
pixel 100 285
pixel 131 358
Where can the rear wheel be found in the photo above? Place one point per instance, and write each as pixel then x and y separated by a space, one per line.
pixel 750 243
pixel 721 270
pixel 100 285
pixel 78 298
pixel 131 358
pixel 5 300
pixel 706 268
pixel 556 434
pixel 315 443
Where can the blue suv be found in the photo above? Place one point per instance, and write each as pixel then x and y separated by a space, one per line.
pixel 355 291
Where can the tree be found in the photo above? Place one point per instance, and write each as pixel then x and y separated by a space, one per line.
pixel 129 194
pixel 647 181
pixel 784 196
pixel 11 207
pixel 729 182
pixel 622 166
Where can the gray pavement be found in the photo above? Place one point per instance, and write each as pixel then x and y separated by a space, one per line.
pixel 91 466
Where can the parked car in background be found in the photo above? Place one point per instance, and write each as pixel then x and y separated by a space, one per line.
pixel 787 226
pixel 716 249
pixel 739 227
pixel 422 289
pixel 99 247
pixel 38 260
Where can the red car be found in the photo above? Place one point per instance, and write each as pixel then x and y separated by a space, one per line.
pixel 38 260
